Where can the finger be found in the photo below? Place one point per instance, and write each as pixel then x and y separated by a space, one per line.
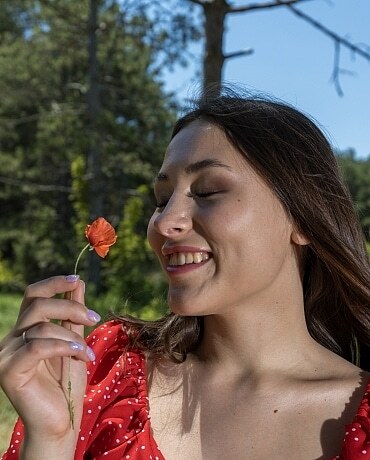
pixel 38 350
pixel 49 288
pixel 24 362
pixel 46 331
pixel 44 310
pixel 76 342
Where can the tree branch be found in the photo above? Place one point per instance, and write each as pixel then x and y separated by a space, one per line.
pixel 338 42
pixel 262 6
pixel 336 67
pixel 33 186
pixel 235 54
pixel 12 122
pixel 341 40
pixel 199 2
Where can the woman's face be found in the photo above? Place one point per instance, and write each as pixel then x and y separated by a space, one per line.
pixel 221 236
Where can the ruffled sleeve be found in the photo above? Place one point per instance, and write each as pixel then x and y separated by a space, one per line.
pixel 116 411
pixel 115 422
pixel 356 443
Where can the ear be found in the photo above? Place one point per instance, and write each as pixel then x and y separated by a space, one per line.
pixel 299 239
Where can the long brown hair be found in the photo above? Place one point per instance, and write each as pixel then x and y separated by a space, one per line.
pixel 288 150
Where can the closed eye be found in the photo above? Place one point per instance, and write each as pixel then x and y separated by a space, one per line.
pixel 161 203
pixel 161 198
pixel 203 194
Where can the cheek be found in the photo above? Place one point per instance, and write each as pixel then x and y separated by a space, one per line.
pixel 257 235
pixel 269 243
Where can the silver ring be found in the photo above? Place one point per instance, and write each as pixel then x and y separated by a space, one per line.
pixel 24 337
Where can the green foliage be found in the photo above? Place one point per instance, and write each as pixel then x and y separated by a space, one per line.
pixel 10 304
pixel 9 281
pixel 46 133
pixel 131 272
pixel 79 196
pixel 46 130
pixel 6 275
pixel 356 173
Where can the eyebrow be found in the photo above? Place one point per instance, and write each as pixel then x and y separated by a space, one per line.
pixel 195 167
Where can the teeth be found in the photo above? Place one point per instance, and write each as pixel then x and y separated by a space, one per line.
pixel 197 257
pixel 189 258
pixel 183 258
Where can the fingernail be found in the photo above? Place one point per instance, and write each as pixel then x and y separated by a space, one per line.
pixel 90 354
pixel 72 278
pixel 93 316
pixel 76 346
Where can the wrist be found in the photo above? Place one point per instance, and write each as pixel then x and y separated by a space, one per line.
pixel 35 447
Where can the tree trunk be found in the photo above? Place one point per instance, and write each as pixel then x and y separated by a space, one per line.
pixel 94 173
pixel 214 14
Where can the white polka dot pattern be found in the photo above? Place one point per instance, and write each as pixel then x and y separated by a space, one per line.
pixel 116 421
pixel 356 443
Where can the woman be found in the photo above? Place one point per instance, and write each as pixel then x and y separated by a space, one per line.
pixel 269 291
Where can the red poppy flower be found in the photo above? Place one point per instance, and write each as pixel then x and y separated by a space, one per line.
pixel 101 236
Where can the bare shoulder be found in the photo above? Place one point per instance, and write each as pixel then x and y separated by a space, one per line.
pixel 345 375
pixel 339 387
pixel 316 402
pixel 339 372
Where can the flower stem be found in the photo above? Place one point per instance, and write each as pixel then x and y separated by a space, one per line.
pixel 69 385
pixel 70 404
pixel 79 257
pixel 70 400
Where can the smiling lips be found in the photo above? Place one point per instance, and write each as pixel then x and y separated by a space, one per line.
pixel 186 258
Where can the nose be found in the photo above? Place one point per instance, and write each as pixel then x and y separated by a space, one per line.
pixel 173 220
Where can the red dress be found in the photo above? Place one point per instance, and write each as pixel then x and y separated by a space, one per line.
pixel 116 421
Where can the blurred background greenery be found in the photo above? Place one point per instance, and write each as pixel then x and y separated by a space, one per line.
pixel 84 122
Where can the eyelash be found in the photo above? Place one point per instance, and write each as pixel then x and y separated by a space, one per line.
pixel 161 205
pixel 190 195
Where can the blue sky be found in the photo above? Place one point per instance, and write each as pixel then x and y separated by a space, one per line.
pixel 293 62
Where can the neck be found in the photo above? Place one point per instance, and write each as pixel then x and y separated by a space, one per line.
pixel 260 337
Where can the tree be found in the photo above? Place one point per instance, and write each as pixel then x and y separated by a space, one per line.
pixel 356 173
pixel 81 127
pixel 132 272
pixel 215 13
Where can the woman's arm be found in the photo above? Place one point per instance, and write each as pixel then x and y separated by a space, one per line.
pixel 35 367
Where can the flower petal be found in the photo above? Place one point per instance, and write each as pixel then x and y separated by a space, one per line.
pixel 101 235
pixel 102 250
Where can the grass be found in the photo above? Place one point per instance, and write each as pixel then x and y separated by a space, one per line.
pixel 9 311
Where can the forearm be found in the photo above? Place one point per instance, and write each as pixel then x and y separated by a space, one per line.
pixel 38 448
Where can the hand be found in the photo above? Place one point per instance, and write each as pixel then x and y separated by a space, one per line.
pixel 34 375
